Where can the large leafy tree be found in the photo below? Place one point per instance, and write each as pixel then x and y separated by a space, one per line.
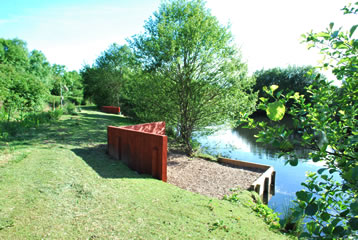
pixel 328 127
pixel 106 81
pixel 194 75
pixel 21 89
pixel 23 92
pixel 40 67
pixel 14 52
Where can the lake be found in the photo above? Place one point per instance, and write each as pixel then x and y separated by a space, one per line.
pixel 240 144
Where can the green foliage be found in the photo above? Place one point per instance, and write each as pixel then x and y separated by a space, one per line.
pixel 262 210
pixel 327 125
pixel 275 111
pixel 219 225
pixel 269 215
pixel 292 78
pixel 106 83
pixel 290 222
pixel 27 81
pixel 14 52
pixel 36 119
pixel 70 108
pixel 30 120
pixel 194 76
pixel 23 92
pixel 66 84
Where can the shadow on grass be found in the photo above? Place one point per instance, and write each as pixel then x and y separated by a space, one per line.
pixel 104 165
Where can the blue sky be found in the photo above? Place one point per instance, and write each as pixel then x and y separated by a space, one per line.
pixel 75 32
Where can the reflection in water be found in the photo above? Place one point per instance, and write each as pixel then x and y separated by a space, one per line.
pixel 241 144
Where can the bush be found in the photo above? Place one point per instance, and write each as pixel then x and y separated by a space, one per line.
pixel 54 101
pixel 70 108
pixel 55 114
pixel 292 78
pixel 35 119
pixel 3 114
pixel 74 100
pixel 9 129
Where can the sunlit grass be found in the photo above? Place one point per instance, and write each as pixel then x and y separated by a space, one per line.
pixel 57 182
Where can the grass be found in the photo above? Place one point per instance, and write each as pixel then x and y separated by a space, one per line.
pixel 57 182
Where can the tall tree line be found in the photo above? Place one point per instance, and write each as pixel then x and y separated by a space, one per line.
pixel 28 80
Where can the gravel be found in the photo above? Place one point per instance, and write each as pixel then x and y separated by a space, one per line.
pixel 207 177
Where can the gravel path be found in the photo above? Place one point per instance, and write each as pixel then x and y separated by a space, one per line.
pixel 206 177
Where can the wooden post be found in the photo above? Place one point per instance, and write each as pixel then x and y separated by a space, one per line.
pixel 273 183
pixel 266 191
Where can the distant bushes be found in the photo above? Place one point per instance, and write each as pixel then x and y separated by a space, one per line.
pixel 292 78
pixel 55 101
pixel 30 120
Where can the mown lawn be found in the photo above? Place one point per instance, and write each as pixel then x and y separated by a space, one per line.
pixel 56 182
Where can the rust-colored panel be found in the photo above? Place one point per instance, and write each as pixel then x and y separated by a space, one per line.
pixel 154 128
pixel 111 109
pixel 142 147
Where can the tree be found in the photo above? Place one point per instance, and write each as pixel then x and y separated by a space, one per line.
pixel 14 52
pixel 194 76
pixel 23 92
pixel 40 67
pixel 292 78
pixel 73 82
pixel 328 127
pixel 21 89
pixel 105 82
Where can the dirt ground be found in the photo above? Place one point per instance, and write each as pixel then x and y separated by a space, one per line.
pixel 206 177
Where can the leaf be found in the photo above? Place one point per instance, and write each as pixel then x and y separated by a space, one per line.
pixel 340 45
pixel 311 209
pixel 354 207
pixel 303 196
pixel 323 34
pixel 331 25
pixel 275 111
pixel 294 162
pixel 311 226
pixel 335 222
pixel 353 28
pixel 262 99
pixel 273 87
pixel 320 171
pixel 331 171
pixel 327 230
pixel 325 216
pixel 316 158
pixel 355 173
pixel 353 223
pixel 344 214
pixel 338 230
pixel 305 235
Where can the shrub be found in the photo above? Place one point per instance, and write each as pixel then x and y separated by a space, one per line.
pixel 70 108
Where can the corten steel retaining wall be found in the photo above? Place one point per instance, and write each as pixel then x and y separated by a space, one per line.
pixel 110 109
pixel 265 184
pixel 142 147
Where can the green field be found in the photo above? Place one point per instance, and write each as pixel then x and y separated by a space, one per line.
pixel 56 182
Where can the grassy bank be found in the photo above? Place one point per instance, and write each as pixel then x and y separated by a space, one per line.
pixel 56 182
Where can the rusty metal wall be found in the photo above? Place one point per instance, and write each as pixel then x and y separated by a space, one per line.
pixel 142 147
pixel 110 109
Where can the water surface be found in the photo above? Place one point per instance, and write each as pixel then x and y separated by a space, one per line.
pixel 241 144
